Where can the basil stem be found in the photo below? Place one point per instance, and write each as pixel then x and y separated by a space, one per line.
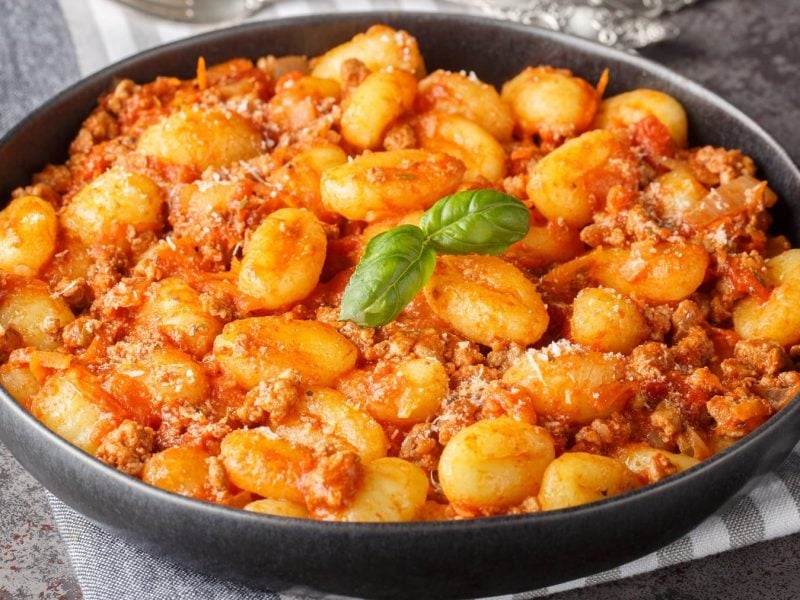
pixel 397 263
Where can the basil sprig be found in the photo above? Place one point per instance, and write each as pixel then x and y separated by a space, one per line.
pixel 397 263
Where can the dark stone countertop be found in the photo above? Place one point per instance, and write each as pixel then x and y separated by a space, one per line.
pixel 749 53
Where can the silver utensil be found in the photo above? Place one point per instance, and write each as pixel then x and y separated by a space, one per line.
pixel 623 23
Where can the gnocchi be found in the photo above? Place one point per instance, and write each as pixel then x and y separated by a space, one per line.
pixel 28 228
pixel 258 348
pixel 283 258
pixel 487 300
pixel 576 478
pixel 176 299
pixel 495 463
pixel 201 138
pixel 376 185
pixel 573 181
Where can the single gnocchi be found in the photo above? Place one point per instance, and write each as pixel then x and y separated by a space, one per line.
pixel 607 321
pixel 405 392
pixel 259 348
pixel 259 461
pixel 28 308
pixel 379 47
pixel 573 181
pixel 576 478
pixel 487 300
pixel 654 272
pixel 379 184
pixel 628 108
pixel 176 309
pixel 74 405
pixel 181 470
pixel 465 140
pixel 552 103
pixel 200 138
pixel 115 200
pixel 467 96
pixel 571 383
pixel 777 318
pixel 283 258
pixel 495 464
pixel 28 227
pixel 381 99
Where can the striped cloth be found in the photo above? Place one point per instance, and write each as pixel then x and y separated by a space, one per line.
pixel 771 510
pixel 103 32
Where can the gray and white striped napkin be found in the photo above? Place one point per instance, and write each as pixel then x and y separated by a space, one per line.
pixel 770 511
pixel 102 32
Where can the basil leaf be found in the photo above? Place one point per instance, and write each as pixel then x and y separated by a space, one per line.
pixel 395 266
pixel 475 222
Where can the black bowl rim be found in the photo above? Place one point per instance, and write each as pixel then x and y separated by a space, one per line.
pixel 137 486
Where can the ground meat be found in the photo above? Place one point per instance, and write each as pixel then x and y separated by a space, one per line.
pixel 109 264
pixel 421 447
pixel 739 275
pixel 188 426
pixel 503 358
pixel 659 320
pixel 694 349
pixel 687 315
pixel 501 399
pixel 80 333
pixel 75 292
pixel 400 137
pixel 219 488
pixel 667 423
pixel 652 360
pixel 736 416
pixel 659 467
pixel 704 380
pixel 10 340
pixel 332 482
pixel 455 415
pixel 397 345
pixel 516 185
pixel 778 390
pixel 271 401
pixel 218 228
pixel 467 354
pixel 561 433
pixel 529 505
pixel 127 447
pixel 470 382
pixel 763 357
pixel 602 434
pixel 352 72
pixel 363 337
pixel 715 166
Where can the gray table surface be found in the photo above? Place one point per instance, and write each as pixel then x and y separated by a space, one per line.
pixel 747 51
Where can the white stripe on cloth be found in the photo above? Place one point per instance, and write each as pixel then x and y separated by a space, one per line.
pixel 89 47
pixel 112 23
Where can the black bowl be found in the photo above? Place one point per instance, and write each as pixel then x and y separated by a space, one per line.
pixel 396 560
